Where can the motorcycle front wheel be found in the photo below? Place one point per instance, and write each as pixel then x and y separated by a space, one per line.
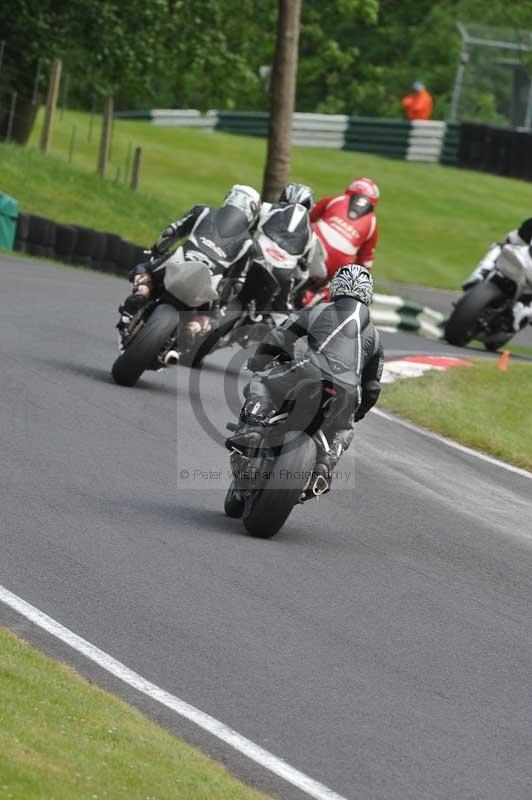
pixel 267 512
pixel 141 353
pixel 462 325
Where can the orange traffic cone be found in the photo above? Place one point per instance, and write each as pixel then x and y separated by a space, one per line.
pixel 504 358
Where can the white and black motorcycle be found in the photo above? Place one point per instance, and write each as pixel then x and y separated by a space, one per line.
pixel 252 303
pixel 485 312
pixel 156 335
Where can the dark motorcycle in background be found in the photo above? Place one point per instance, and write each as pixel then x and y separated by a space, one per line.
pixel 485 312
pixel 156 334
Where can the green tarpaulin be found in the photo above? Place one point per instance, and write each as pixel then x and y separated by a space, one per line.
pixel 8 220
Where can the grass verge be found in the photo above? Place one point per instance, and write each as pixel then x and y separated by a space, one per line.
pixel 478 406
pixel 435 221
pixel 63 738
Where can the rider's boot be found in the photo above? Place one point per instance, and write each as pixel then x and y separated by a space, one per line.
pixel 328 455
pixel 199 325
pixel 256 412
pixel 522 314
pixel 131 305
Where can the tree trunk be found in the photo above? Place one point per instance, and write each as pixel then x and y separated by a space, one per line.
pixel 23 120
pixel 283 92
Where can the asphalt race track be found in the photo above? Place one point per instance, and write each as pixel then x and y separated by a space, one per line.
pixel 381 644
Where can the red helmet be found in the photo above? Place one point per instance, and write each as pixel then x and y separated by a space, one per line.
pixel 365 187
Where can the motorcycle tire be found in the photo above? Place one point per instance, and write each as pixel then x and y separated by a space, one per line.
pixel 233 505
pixel 461 326
pixel 141 353
pixel 267 514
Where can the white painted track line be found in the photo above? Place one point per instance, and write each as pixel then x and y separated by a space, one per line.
pixel 451 443
pixel 245 746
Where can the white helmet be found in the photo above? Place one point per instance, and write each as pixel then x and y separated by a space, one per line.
pixel 352 281
pixel 246 198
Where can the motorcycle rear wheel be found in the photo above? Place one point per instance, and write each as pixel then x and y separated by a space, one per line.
pixel 141 353
pixel 461 326
pixel 266 515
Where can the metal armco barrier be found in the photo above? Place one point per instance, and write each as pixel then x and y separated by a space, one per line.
pixel 502 151
pixel 431 140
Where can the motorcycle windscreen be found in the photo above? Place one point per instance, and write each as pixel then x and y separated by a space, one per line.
pixel 317 260
pixel 515 262
pixel 190 282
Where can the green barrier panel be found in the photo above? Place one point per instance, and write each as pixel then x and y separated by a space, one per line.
pixel 451 144
pixel 243 123
pixel 392 151
pixel 8 220
pixel 132 115
pixel 384 137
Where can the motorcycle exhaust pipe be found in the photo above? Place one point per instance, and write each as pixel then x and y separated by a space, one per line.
pixel 171 358
pixel 320 486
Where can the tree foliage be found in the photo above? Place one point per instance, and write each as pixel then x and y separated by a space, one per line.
pixel 356 56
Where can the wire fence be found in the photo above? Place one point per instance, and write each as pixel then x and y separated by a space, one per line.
pixel 76 136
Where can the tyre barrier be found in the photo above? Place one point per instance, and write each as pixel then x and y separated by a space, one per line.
pixel 393 313
pixel 76 244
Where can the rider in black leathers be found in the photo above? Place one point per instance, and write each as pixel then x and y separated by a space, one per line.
pixel 343 348
pixel 284 243
pixel 220 237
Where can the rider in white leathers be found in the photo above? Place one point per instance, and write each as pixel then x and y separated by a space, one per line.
pixel 521 236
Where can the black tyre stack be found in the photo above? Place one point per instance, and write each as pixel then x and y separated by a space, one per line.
pixel 66 237
pixel 75 244
pixel 35 235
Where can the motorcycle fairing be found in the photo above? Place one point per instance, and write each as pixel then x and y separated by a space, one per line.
pixel 189 281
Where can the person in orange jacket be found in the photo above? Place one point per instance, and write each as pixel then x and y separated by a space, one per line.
pixel 417 104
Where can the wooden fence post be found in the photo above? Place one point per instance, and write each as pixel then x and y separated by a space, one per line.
pixel 51 103
pixel 103 157
pixel 11 116
pixel 137 163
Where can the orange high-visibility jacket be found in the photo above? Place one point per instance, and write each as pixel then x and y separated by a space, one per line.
pixel 417 105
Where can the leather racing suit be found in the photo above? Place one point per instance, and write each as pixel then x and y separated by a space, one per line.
pixel 346 225
pixel 344 349
pixel 284 241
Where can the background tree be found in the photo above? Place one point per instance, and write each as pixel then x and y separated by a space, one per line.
pixel 356 56
pixel 283 93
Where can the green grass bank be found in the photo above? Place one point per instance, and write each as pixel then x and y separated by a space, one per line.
pixel 435 221
pixel 479 406
pixel 63 738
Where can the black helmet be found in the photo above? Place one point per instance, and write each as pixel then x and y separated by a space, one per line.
pixel 297 193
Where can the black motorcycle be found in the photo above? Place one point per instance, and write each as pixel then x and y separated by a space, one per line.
pixel 279 472
pixel 156 335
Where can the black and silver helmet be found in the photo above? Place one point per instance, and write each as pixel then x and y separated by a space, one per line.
pixel 352 281
pixel 297 193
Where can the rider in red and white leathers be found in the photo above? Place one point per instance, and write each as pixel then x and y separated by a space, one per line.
pixel 346 226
